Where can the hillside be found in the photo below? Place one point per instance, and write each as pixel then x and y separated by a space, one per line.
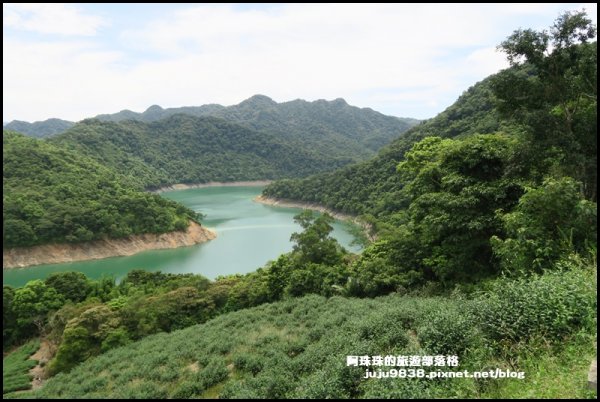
pixel 188 149
pixel 372 186
pixel 53 195
pixel 251 353
pixel 40 129
pixel 329 127
pixel 485 259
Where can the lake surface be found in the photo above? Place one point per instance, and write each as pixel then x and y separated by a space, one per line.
pixel 249 234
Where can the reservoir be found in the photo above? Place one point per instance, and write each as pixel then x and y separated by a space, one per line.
pixel 249 235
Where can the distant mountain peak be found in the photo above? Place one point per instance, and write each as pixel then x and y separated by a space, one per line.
pixel 260 100
pixel 154 109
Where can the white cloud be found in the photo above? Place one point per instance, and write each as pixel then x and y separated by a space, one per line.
pixel 60 19
pixel 428 55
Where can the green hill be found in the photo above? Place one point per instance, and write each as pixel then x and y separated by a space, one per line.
pixel 53 195
pixel 372 186
pixel 330 128
pixel 486 253
pixel 188 149
pixel 40 129
pixel 298 348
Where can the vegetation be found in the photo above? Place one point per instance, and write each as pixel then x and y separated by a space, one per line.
pixel 486 185
pixel 487 240
pixel 372 187
pixel 188 149
pixel 40 129
pixel 248 353
pixel 85 318
pixel 331 128
pixel 52 195
pixel 16 366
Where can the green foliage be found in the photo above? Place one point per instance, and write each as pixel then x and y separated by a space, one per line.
pixel 550 222
pixel 551 91
pixel 85 335
pixel 9 324
pixel 373 186
pixel 450 330
pixel 453 189
pixel 332 130
pixel 73 286
pixel 40 129
pixel 16 366
pixel 187 149
pixel 557 371
pixel 250 353
pixel 53 195
pixel 552 305
pixel 31 305
pixel 313 244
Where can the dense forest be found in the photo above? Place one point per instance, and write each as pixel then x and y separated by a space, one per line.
pixel 486 219
pixel 53 195
pixel 40 129
pixel 373 186
pixel 331 130
pixel 334 126
pixel 188 149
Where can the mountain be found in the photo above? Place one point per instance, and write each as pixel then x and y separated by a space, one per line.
pixel 54 195
pixel 40 129
pixel 373 186
pixel 187 149
pixel 333 127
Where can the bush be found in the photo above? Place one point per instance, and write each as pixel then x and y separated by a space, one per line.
pixel 450 330
pixel 551 305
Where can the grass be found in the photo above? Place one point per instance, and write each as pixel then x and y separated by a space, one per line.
pixel 16 366
pixel 551 371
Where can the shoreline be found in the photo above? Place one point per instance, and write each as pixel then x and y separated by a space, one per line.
pixel 22 257
pixel 277 202
pixel 183 186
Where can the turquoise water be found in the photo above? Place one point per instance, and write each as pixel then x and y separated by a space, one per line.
pixel 249 234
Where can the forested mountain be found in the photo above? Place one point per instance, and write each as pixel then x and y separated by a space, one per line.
pixel 188 149
pixel 503 180
pixel 331 127
pixel 372 186
pixel 486 252
pixel 40 129
pixel 53 195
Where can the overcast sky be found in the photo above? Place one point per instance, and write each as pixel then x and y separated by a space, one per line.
pixel 76 61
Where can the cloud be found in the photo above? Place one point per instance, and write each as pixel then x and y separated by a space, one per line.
pixel 408 60
pixel 60 19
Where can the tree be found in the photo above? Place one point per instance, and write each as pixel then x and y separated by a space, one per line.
pixel 454 188
pixel 33 302
pixel 314 244
pixel 8 316
pixel 549 222
pixel 551 90
pixel 72 286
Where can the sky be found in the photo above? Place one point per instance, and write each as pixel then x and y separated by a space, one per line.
pixel 73 61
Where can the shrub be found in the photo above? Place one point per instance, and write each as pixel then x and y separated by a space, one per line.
pixel 450 330
pixel 551 305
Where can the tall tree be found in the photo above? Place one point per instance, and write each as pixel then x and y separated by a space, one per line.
pixel 551 91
